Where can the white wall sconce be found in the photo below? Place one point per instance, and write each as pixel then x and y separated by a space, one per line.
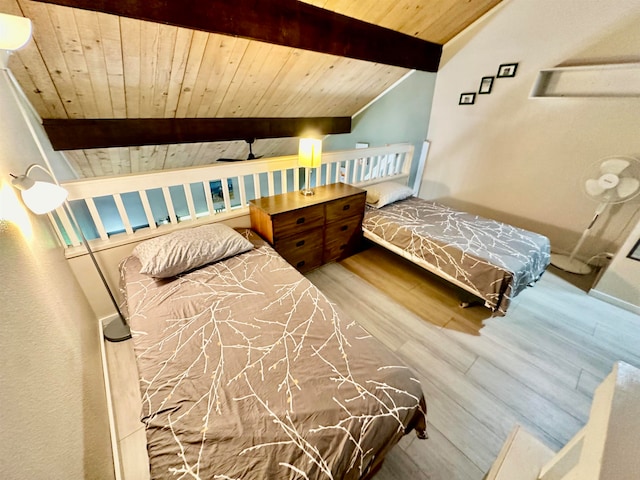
pixel 15 33
pixel 44 197
pixel 39 197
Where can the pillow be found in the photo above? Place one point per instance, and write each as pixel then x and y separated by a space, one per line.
pixel 177 252
pixel 385 193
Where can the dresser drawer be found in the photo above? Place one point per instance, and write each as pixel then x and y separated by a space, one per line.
pixel 344 207
pixel 306 261
pixel 293 222
pixel 306 240
pixel 342 238
pixel 304 251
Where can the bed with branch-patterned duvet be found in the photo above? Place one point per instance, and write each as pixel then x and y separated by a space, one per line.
pixel 493 260
pixel 248 372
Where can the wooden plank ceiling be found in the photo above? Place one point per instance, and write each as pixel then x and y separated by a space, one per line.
pixel 87 65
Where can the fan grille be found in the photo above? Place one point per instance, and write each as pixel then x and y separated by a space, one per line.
pixel 613 179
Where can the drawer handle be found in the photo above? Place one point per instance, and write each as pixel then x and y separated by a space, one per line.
pixel 300 220
pixel 346 207
pixel 300 264
pixel 344 228
pixel 342 247
pixel 300 243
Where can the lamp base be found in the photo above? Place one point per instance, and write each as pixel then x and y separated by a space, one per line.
pixel 307 191
pixel 570 265
pixel 116 331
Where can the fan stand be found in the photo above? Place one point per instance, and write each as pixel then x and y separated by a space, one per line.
pixel 612 187
pixel 568 263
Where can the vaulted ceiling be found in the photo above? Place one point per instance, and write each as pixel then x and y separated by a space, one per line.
pixel 87 65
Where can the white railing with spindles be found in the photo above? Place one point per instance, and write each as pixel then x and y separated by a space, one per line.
pixel 359 167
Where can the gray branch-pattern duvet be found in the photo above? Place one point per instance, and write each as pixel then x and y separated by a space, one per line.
pixel 494 260
pixel 248 372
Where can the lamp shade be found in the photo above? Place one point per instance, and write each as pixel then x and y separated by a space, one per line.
pixel 40 197
pixel 15 31
pixel 310 153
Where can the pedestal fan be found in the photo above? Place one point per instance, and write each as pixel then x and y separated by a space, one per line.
pixel 611 180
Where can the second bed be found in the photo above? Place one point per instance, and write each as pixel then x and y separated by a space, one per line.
pixel 492 260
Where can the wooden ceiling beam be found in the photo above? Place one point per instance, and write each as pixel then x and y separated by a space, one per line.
pixel 283 22
pixel 77 134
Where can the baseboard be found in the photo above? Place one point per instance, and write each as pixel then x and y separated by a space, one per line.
pixel 614 301
pixel 115 452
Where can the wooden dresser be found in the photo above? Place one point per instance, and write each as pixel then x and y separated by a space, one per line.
pixel 309 231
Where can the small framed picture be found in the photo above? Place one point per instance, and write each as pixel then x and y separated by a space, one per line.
pixel 485 85
pixel 635 252
pixel 507 70
pixel 467 98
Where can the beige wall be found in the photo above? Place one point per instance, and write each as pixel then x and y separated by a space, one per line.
pixel 620 282
pixel 53 415
pixel 519 159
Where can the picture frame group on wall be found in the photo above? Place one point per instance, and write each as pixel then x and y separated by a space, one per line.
pixel 505 70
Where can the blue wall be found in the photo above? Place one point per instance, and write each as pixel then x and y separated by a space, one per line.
pixel 400 116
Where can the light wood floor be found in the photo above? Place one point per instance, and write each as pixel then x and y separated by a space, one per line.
pixel 538 366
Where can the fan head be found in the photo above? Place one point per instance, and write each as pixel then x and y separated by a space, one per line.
pixel 613 179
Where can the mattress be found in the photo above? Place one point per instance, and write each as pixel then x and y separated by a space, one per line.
pixel 493 260
pixel 247 371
